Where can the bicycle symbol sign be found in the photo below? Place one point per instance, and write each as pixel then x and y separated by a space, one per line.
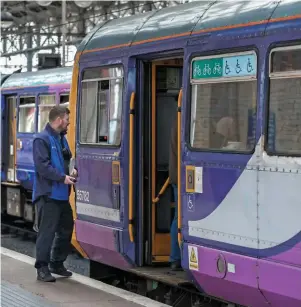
pixel 231 66
pixel 207 68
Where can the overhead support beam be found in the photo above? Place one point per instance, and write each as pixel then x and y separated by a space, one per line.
pixel 30 27
pixel 20 34
pixel 29 54
pixel 64 31
pixel 74 42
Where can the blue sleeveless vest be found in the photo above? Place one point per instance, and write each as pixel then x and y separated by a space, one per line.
pixel 59 191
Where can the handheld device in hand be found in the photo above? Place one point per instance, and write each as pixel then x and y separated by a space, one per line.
pixel 71 165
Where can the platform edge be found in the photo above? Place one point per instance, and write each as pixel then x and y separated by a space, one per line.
pixel 126 295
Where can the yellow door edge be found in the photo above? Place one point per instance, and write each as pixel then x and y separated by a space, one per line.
pixel 71 140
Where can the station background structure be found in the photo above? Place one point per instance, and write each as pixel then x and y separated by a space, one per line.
pixel 29 28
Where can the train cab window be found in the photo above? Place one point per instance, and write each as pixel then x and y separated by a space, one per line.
pixel 26 115
pixel 46 102
pixel 284 125
pixel 64 100
pixel 101 105
pixel 223 102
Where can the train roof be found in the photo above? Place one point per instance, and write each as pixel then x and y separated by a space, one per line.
pixel 3 77
pixel 45 77
pixel 185 20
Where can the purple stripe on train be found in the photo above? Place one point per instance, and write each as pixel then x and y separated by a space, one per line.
pixel 244 279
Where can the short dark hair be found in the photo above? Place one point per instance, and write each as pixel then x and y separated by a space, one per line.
pixel 58 111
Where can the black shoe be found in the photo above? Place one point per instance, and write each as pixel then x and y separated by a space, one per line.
pixel 60 270
pixel 176 266
pixel 43 274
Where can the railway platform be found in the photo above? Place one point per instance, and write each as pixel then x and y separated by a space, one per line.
pixel 20 288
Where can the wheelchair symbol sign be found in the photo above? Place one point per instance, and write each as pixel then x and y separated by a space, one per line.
pixel 190 202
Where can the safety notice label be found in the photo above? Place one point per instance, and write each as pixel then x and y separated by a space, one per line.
pixel 193 258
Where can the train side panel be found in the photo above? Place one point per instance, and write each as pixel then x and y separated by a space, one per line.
pixel 231 202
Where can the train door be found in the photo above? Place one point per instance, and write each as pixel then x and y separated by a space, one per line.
pixel 164 81
pixel 10 123
pixel 104 157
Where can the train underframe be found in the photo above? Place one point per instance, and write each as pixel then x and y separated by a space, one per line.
pixel 155 286
pixel 17 204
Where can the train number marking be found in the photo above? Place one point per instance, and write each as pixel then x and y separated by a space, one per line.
pixel 83 196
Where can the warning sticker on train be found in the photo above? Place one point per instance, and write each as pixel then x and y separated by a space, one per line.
pixel 193 258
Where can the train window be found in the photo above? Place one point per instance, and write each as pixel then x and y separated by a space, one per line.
pixel 223 102
pixel 101 103
pixel 27 115
pixel 46 102
pixel 284 126
pixel 102 73
pixel 64 100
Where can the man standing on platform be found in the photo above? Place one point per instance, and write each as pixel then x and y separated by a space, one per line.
pixel 51 192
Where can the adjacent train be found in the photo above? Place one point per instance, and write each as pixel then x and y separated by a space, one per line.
pixel 26 99
pixel 229 73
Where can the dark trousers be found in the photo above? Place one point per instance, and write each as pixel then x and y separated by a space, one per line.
pixel 55 226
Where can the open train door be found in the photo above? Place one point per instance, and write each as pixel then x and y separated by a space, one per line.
pixel 10 195
pixel 105 153
pixel 161 82
pixel 8 126
pixel 3 120
pixel 166 89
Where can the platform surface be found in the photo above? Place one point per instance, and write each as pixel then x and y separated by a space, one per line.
pixel 20 288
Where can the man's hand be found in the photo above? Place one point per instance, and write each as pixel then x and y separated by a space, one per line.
pixel 74 173
pixel 69 180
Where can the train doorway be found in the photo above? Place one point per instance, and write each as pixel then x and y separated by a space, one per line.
pixel 162 84
pixel 9 157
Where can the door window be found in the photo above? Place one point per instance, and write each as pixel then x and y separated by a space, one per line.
pixel 101 105
pixel 46 102
pixel 27 115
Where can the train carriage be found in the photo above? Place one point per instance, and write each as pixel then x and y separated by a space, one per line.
pixel 26 99
pixel 229 72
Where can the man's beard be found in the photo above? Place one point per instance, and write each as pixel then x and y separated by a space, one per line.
pixel 63 130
